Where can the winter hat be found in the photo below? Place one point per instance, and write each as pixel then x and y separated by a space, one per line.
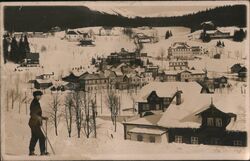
pixel 37 93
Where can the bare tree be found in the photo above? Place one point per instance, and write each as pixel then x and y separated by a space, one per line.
pixel 94 113
pixel 113 105
pixel 15 92
pixel 88 106
pixel 162 53
pixel 54 113
pixel 78 111
pixel 21 101
pixel 68 113
pixel 7 99
pixel 14 96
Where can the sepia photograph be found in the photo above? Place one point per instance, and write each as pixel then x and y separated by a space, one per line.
pixel 132 80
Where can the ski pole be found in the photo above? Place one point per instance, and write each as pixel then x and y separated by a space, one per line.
pixel 49 142
pixel 46 143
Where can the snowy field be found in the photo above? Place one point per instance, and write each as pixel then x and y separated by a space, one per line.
pixel 103 147
pixel 60 56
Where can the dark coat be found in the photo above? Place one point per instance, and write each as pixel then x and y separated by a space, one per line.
pixel 35 113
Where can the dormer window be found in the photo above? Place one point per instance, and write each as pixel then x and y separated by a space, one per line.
pixel 210 121
pixel 218 122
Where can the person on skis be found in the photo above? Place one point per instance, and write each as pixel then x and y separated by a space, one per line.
pixel 35 123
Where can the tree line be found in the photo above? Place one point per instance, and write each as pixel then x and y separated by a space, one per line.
pixel 16 19
pixel 13 50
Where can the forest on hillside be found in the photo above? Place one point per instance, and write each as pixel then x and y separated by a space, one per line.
pixel 43 18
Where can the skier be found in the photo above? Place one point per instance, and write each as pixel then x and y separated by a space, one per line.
pixel 35 124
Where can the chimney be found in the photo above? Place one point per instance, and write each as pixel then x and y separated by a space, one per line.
pixel 178 97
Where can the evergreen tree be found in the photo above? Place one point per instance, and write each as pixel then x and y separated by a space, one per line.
pixel 26 43
pixel 218 44
pixel 5 49
pixel 239 35
pixel 93 61
pixel 223 44
pixel 22 50
pixel 14 50
pixel 170 33
pixel 206 38
pixel 167 35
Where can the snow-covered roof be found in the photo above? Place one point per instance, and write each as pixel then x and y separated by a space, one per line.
pixel 91 76
pixel 40 81
pixel 230 29
pixel 118 72
pixel 71 32
pixel 175 72
pixel 147 120
pixel 147 131
pixel 168 89
pixel 207 23
pixel 178 45
pixel 217 30
pixel 211 31
pixel 185 114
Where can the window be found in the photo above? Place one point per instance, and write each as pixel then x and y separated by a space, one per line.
pixel 178 139
pixel 218 122
pixel 152 139
pixel 210 121
pixel 215 141
pixel 237 143
pixel 194 140
pixel 139 138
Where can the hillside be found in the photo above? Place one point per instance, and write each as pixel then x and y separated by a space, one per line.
pixel 18 18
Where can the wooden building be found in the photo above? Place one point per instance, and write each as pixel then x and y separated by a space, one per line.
pixel 197 120
pixel 157 96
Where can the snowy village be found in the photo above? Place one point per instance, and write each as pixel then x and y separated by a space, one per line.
pixel 125 91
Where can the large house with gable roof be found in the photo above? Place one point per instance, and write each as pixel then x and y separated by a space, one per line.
pixel 199 119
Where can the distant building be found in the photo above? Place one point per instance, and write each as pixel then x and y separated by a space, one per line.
pixel 217 34
pixel 45 76
pixel 105 31
pixel 178 65
pixel 71 78
pixel 42 83
pixel 197 50
pixel 93 82
pixel 220 82
pixel 142 38
pixel 124 57
pixel 183 75
pixel 154 69
pixel 31 60
pixel 71 86
pixel 72 35
pixel 122 83
pixel 157 96
pixel 242 73
pixel 181 50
